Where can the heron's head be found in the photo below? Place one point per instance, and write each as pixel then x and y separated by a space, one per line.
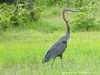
pixel 65 10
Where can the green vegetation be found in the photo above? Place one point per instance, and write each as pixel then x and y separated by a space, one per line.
pixel 21 52
pixel 23 45
pixel 86 20
pixel 22 13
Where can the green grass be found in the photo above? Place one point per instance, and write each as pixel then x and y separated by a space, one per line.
pixel 21 53
pixel 22 49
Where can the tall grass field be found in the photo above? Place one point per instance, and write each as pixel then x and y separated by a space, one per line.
pixel 22 49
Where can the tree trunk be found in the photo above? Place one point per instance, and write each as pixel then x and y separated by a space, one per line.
pixel 16 6
pixel 31 8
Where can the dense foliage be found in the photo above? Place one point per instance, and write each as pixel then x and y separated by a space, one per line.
pixel 8 17
pixel 84 21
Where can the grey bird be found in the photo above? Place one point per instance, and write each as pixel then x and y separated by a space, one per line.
pixel 59 47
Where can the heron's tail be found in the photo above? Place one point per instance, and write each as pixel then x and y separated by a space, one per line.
pixel 45 60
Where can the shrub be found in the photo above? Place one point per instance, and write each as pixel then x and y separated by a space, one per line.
pixel 85 20
pixel 9 18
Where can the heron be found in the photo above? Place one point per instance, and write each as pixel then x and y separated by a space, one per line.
pixel 59 47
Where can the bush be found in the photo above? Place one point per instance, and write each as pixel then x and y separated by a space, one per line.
pixel 85 20
pixel 9 18
pixel 5 14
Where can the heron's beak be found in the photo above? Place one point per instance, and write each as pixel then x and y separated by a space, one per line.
pixel 73 10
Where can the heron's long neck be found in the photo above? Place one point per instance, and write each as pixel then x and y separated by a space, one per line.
pixel 66 21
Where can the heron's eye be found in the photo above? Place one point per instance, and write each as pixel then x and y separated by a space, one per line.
pixel 64 42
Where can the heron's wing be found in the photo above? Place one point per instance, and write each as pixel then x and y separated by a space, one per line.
pixel 57 49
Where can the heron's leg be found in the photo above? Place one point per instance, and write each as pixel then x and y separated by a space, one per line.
pixel 61 60
pixel 52 62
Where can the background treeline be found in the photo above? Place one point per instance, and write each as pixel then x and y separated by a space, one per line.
pixel 18 12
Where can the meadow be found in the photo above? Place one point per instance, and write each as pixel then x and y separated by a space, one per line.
pixel 22 49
